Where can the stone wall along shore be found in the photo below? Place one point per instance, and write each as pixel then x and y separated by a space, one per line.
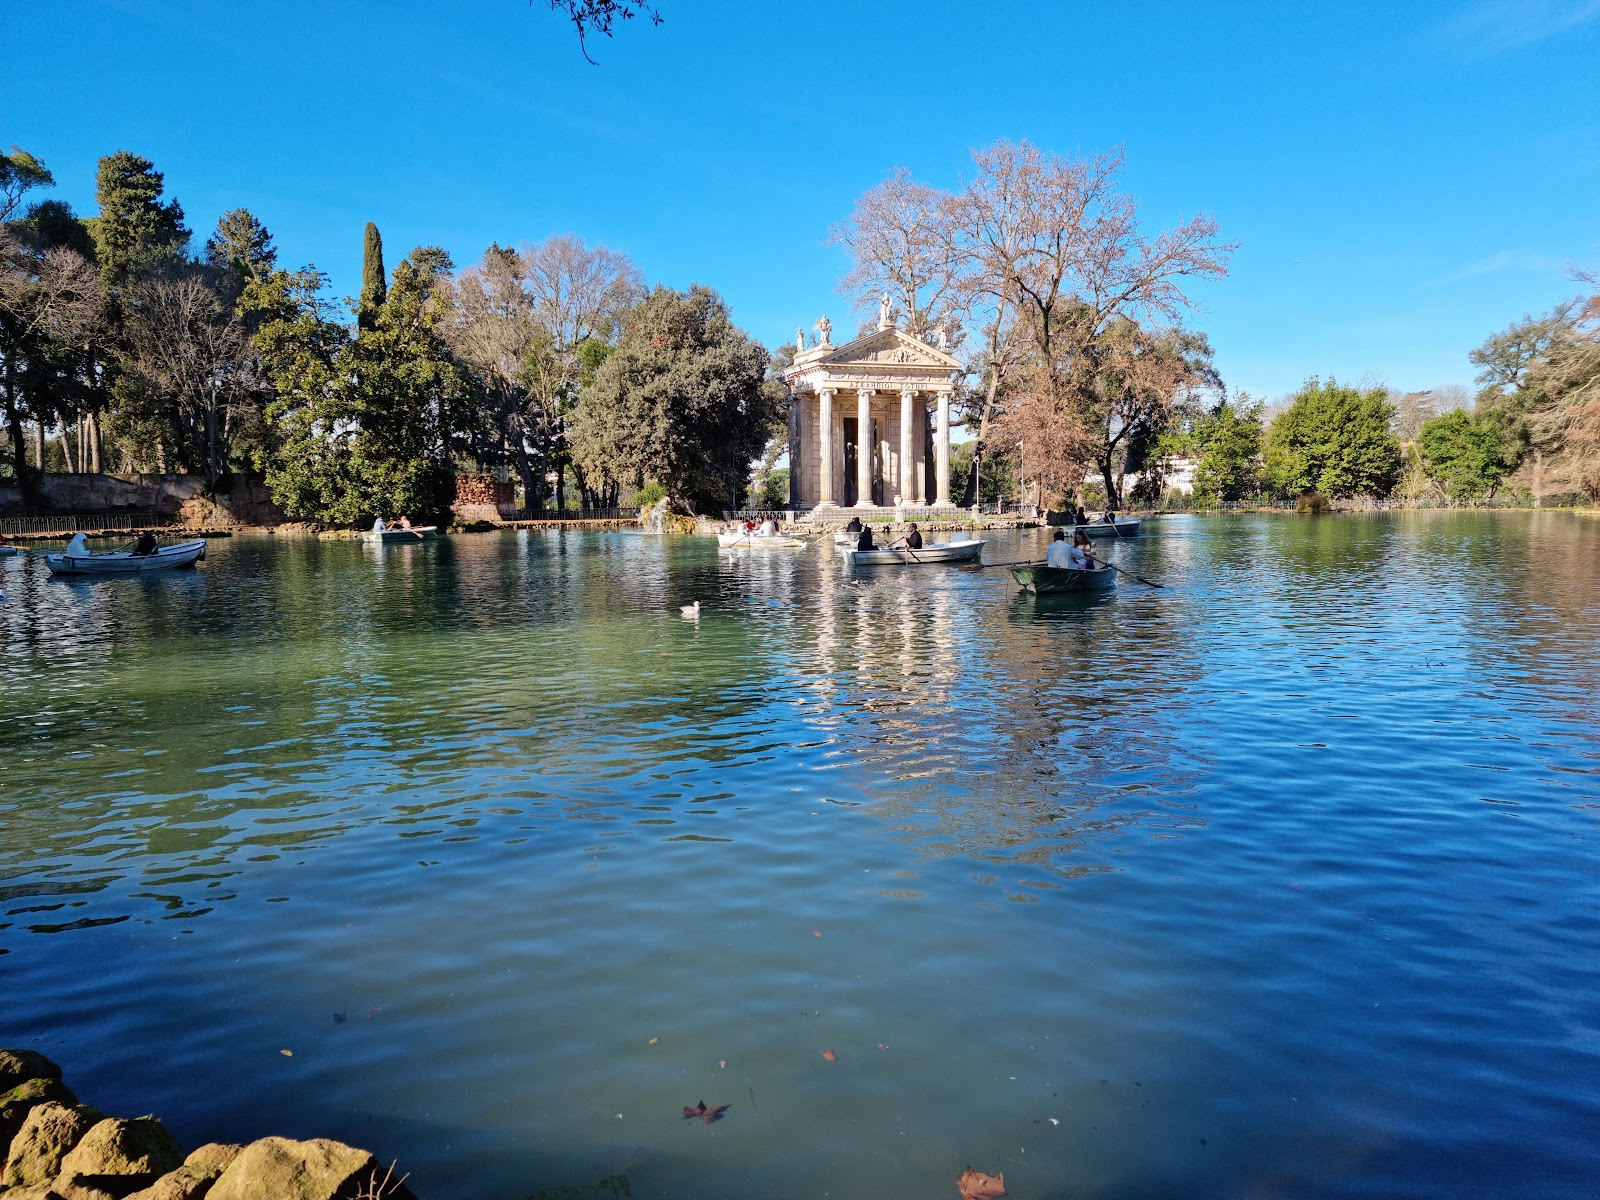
pixel 58 1149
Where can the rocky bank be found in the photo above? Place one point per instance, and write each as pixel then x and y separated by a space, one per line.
pixel 58 1149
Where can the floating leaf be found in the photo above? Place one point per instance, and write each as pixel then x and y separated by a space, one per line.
pixel 975 1185
pixel 830 1056
pixel 287 1053
pixel 816 933
pixel 654 1040
pixel 707 1115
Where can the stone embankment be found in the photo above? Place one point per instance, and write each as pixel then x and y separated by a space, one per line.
pixel 58 1149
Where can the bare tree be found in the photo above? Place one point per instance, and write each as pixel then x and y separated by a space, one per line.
pixel 51 312
pixel 189 346
pixel 1053 239
pixel 902 239
pixel 520 321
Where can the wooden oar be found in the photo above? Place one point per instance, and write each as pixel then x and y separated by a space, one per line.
pixel 990 566
pixel 901 546
pixel 1131 575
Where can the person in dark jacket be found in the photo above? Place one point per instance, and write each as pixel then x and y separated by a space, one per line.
pixel 146 545
pixel 864 542
pixel 913 537
pixel 854 526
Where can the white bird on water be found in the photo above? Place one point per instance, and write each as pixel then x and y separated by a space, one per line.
pixel 691 612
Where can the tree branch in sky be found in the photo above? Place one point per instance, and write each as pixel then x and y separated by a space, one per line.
pixel 600 16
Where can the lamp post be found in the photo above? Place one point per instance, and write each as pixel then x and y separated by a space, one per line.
pixel 1022 470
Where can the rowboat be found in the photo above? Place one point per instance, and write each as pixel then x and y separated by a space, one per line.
pixel 757 541
pixel 1043 580
pixel 964 550
pixel 417 533
pixel 1121 527
pixel 78 559
pixel 7 551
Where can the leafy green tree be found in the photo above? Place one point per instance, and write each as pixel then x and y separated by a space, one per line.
pixel 363 427
pixel 374 286
pixel 684 400
pixel 1463 456
pixel 1333 440
pixel 1227 447
pixel 20 173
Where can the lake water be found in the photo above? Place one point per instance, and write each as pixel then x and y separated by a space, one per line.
pixel 1283 880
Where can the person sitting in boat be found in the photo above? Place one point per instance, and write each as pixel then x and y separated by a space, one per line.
pixel 864 542
pixel 403 523
pixel 1062 554
pixel 769 528
pixel 913 537
pixel 1080 517
pixel 145 546
pixel 1111 516
pixel 1084 545
pixel 380 526
pixel 854 526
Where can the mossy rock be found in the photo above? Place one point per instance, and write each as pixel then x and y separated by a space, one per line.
pixel 19 1066
pixel 16 1104
pixel 281 1169
pixel 47 1136
pixel 140 1150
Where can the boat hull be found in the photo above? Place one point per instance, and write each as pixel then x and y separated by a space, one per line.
pixel 966 550
pixel 166 558
pixel 419 533
pixel 1121 528
pixel 1048 581
pixel 753 541
pixel 7 551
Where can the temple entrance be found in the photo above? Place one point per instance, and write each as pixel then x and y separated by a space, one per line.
pixel 852 447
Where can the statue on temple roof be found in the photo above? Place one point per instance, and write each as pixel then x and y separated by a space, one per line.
pixel 885 312
pixel 824 328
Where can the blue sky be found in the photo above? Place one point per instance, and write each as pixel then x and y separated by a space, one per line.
pixel 1404 180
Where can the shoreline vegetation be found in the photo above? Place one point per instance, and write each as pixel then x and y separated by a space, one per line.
pixel 552 371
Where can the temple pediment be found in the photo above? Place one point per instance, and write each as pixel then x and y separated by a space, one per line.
pixel 889 348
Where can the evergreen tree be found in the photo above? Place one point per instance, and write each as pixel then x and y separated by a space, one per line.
pixel 1465 457
pixel 135 229
pixel 374 287
pixel 242 245
pixel 1334 440
pixel 1227 443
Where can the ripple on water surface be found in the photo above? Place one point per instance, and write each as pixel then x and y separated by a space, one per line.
pixel 1277 880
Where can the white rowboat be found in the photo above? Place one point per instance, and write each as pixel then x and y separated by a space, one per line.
pixel 78 559
pixel 965 550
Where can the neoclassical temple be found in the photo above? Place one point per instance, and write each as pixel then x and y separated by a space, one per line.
pixel 869 421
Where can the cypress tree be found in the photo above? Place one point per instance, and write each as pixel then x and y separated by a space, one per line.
pixel 374 290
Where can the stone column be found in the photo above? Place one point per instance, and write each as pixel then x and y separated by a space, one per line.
pixel 824 446
pixel 941 469
pixel 864 448
pixel 908 476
